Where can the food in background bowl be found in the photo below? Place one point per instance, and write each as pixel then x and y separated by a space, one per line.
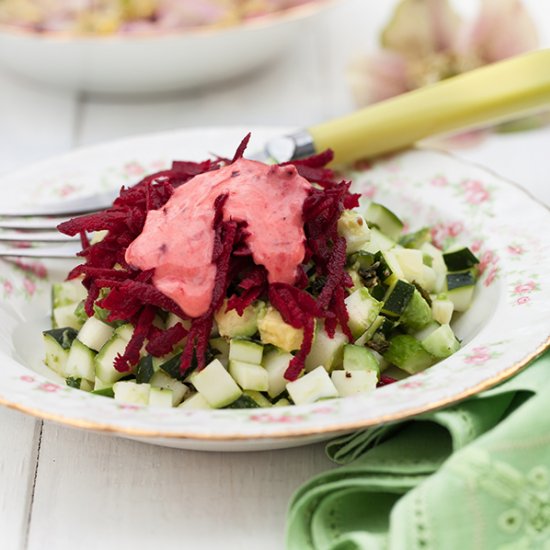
pixel 136 49
pixel 134 16
pixel 232 283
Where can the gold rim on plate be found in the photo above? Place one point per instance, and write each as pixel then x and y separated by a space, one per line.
pixel 335 429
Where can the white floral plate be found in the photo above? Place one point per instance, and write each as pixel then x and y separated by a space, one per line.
pixel 508 325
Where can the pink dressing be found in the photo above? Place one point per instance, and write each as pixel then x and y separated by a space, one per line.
pixel 177 240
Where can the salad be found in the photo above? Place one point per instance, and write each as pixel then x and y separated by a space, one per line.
pixel 130 16
pixel 230 283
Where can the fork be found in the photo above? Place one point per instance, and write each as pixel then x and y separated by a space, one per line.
pixel 490 94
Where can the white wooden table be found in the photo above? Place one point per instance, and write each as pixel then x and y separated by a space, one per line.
pixel 63 489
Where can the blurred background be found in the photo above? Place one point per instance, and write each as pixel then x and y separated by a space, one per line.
pixel 80 72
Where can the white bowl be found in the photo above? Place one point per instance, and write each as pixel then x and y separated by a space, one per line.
pixel 148 62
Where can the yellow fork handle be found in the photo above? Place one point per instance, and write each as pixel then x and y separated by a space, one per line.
pixel 493 93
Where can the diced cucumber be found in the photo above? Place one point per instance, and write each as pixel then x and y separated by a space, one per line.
pixel 129 392
pixel 172 319
pixel 80 363
pixel 426 331
pixel 460 259
pixel 104 392
pixel 362 310
pixel 195 401
pixel 220 344
pixel 73 382
pixel 159 361
pixel 244 402
pixel 442 342
pixel 442 310
pixel 102 314
pixel 397 299
pixel 275 363
pixel 353 227
pixel 311 387
pixel 385 219
pixel 231 324
pixel 387 326
pixel 145 370
pixel 326 351
pixel 216 385
pixel 416 239
pixel 417 314
pixel 57 344
pixel 366 336
pixel 65 316
pixel 99 385
pixel 245 350
pixel 437 264
pixel 258 398
pixel 407 353
pixel 460 279
pixel 273 330
pixel 411 262
pixel 361 259
pixel 68 292
pixel 351 382
pixel 98 236
pixel 179 390
pixel 461 298
pixel 64 336
pixel 360 358
pixel 160 397
pixel 105 359
pixel 460 289
pixel 80 313
pixel 249 376
pixel 378 241
pixel 428 280
pixel 86 385
pixel 378 292
pixel 95 333
pixel 125 331
pixel 172 366
pixel 283 402
pixel 390 269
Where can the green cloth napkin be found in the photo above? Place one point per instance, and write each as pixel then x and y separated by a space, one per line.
pixel 475 476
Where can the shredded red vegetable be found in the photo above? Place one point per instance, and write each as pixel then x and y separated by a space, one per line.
pixel 130 294
pixel 385 380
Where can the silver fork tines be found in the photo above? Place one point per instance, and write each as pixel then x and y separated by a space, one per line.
pixel 38 224
pixel 57 252
pixel 35 237
pixel 67 207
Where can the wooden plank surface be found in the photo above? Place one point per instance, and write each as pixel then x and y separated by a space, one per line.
pixel 34 124
pixel 19 444
pixel 97 491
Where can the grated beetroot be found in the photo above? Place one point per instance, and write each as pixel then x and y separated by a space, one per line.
pixel 130 294
pixel 162 342
pixel 385 380
pixel 130 357
pixel 252 286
